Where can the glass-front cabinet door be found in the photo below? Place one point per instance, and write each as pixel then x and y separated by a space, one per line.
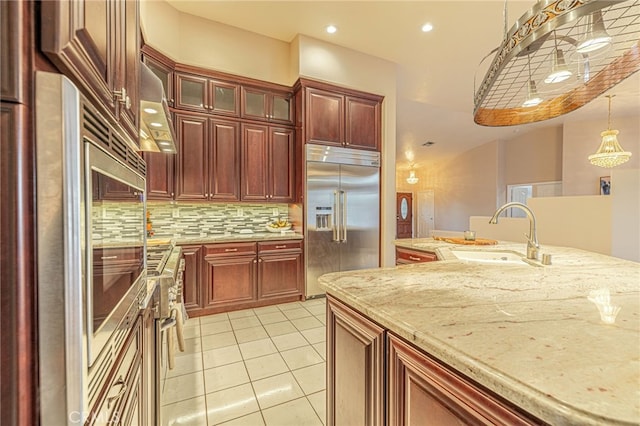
pixel 281 108
pixel 165 74
pixel 268 106
pixel 225 98
pixel 254 103
pixel 192 92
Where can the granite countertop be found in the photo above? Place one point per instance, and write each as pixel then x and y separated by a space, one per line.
pixel 546 338
pixel 237 238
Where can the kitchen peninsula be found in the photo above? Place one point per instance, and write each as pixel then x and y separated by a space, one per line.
pixel 480 342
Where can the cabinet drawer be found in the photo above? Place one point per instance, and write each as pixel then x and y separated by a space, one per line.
pixel 115 390
pixel 276 246
pixel 229 249
pixel 404 256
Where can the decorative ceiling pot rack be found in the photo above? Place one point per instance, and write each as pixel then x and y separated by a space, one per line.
pixel 535 40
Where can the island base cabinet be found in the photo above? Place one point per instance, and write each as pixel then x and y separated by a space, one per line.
pixel 423 392
pixel 355 367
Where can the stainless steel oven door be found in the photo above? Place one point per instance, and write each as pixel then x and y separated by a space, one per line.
pixel 115 240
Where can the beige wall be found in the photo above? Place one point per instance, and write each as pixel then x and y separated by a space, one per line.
pixel 467 186
pixel 534 157
pixel 581 139
pixel 196 41
pixel 578 222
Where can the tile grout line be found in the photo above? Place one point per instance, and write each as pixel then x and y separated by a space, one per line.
pixel 262 327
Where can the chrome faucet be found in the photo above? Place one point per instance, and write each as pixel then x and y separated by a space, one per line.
pixel 532 239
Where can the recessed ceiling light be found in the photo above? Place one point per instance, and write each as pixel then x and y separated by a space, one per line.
pixel 154 124
pixel 427 27
pixel 163 143
pixel 150 111
pixel 331 29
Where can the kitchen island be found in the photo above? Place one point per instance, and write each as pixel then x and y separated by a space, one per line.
pixel 556 344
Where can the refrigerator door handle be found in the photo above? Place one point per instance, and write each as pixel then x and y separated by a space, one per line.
pixel 336 217
pixel 343 209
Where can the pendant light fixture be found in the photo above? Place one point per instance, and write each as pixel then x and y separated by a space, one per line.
pixel 559 70
pixel 597 39
pixel 596 36
pixel 533 99
pixel 412 179
pixel 610 154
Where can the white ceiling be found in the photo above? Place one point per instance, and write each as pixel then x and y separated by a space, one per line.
pixel 435 70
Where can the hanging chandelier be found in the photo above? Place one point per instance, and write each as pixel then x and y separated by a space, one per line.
pixel 574 49
pixel 412 179
pixel 610 154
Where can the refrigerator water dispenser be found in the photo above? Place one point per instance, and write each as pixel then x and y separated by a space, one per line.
pixel 323 218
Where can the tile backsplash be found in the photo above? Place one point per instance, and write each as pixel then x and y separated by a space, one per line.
pixel 184 220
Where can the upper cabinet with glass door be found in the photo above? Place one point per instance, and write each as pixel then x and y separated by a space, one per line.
pixel 204 94
pixel 267 105
pixel 162 67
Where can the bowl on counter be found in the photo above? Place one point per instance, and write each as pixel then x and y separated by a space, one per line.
pixel 274 229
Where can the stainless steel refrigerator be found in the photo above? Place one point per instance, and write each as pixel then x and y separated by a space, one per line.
pixel 342 209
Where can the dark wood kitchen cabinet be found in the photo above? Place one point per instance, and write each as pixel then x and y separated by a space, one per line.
pixel 268 169
pixel 204 94
pixel 280 269
pixel 230 273
pixel 242 275
pixel 96 43
pixel 405 256
pixel 265 105
pixel 120 400
pixel 160 175
pixel 192 289
pixel 355 367
pixel 422 391
pixel 331 115
pixel 208 159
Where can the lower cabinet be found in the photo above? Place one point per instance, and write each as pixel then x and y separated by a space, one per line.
pixel 230 274
pixel 122 400
pixel 191 289
pixel 280 269
pixel 224 277
pixel 355 367
pixel 406 256
pixel 370 369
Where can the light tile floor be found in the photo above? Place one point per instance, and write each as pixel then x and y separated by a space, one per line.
pixel 255 367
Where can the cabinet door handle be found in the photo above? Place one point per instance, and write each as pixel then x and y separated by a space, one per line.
pixel 230 250
pixel 108 257
pixel 279 247
pixel 123 389
pixel 414 258
pixel 255 261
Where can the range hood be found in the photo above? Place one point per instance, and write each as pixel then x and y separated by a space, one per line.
pixel 156 128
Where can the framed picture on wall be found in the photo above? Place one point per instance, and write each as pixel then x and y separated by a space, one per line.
pixel 605 185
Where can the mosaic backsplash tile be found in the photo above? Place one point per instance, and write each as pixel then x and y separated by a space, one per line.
pixel 184 220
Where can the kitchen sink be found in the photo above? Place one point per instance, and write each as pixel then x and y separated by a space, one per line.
pixel 493 257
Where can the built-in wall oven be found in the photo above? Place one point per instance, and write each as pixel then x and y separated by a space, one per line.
pixel 91 247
